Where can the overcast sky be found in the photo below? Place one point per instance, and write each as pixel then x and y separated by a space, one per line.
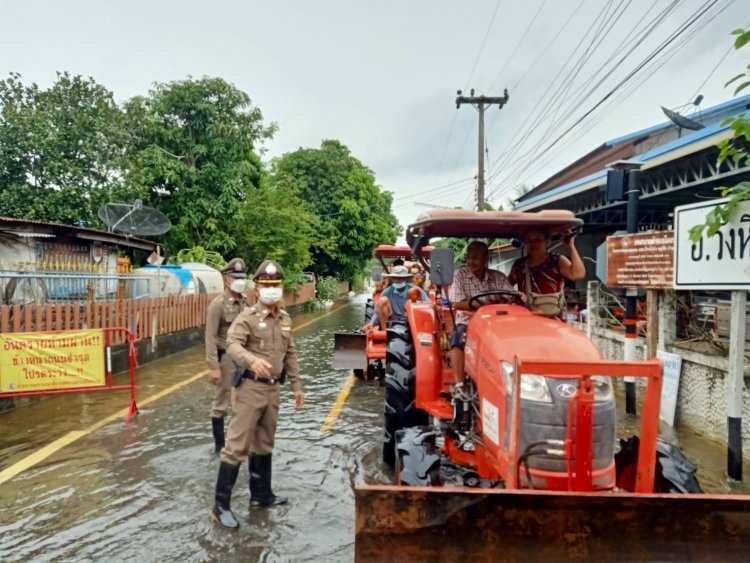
pixel 381 76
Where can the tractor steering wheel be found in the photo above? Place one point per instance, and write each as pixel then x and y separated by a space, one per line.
pixel 474 299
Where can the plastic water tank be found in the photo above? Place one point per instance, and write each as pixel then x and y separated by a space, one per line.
pixel 205 278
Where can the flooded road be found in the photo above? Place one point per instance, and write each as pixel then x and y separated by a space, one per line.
pixel 143 492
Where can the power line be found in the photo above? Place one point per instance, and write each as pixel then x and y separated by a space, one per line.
pixel 547 91
pixel 432 190
pixel 481 49
pixel 518 45
pixel 468 81
pixel 575 103
pixel 546 48
pixel 640 36
pixel 713 70
pixel 661 50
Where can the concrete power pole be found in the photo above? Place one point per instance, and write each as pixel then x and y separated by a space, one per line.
pixel 480 103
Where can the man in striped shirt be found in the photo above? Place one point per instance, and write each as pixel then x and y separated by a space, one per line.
pixel 472 279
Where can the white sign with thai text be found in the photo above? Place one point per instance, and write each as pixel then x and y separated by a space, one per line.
pixel 718 262
pixel 671 367
pixel 491 422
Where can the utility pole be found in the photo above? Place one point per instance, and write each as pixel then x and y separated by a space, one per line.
pixel 624 182
pixel 480 103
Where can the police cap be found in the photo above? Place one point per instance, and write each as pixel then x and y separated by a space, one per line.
pixel 269 272
pixel 235 268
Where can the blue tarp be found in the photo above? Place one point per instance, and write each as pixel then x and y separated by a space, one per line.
pixel 185 276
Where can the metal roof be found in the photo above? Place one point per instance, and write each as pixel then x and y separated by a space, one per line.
pixel 709 112
pixel 32 227
pixel 651 158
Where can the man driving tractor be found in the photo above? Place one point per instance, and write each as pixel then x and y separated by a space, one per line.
pixel 472 279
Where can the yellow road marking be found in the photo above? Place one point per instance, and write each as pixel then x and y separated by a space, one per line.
pixel 338 403
pixel 45 451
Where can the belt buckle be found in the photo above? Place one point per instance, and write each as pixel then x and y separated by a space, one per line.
pixel 271 380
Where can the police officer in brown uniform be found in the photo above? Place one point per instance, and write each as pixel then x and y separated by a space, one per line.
pixel 221 312
pixel 260 342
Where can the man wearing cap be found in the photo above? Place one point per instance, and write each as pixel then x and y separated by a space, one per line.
pixel 221 312
pixel 260 342
pixel 392 302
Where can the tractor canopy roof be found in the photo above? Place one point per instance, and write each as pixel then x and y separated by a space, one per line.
pixel 390 251
pixel 463 223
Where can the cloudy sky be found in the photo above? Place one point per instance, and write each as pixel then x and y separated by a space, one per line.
pixel 381 75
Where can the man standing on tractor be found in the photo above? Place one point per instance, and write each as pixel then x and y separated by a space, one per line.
pixel 472 279
pixel 260 341
pixel 221 312
pixel 392 302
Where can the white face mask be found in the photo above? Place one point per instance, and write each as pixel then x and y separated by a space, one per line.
pixel 238 286
pixel 271 295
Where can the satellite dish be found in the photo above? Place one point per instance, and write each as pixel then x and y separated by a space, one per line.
pixel 134 219
pixel 681 121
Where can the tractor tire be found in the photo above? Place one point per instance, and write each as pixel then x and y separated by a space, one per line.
pixel 418 458
pixel 400 373
pixel 369 310
pixel 359 373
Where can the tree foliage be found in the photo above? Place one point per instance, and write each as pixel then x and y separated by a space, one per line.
pixel 196 158
pixel 353 214
pixel 278 226
pixel 198 254
pixel 735 149
pixel 61 149
pixel 192 149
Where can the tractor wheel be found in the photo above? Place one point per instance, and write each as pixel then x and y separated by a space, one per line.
pixel 359 373
pixel 400 372
pixel 418 457
pixel 369 310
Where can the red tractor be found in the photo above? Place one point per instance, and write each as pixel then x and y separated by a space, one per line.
pixel 528 451
pixel 365 353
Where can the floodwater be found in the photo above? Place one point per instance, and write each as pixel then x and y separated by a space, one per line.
pixel 142 492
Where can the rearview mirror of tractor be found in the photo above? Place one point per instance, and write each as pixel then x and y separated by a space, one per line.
pixel 377 273
pixel 441 266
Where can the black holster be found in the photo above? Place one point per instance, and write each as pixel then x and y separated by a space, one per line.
pixel 237 378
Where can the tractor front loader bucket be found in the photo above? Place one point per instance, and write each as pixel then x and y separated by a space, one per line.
pixel 396 523
pixel 349 351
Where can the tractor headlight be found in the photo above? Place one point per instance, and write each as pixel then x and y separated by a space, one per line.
pixel 533 387
pixel 603 390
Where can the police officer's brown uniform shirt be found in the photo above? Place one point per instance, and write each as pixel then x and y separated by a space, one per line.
pixel 221 313
pixel 259 333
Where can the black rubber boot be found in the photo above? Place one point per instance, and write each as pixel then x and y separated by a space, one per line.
pixel 261 493
pixel 221 513
pixel 217 426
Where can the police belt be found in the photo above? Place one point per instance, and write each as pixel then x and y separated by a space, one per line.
pixel 250 374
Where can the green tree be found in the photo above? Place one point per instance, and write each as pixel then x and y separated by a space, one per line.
pixel 61 149
pixel 734 148
pixel 279 227
pixel 196 158
pixel 354 213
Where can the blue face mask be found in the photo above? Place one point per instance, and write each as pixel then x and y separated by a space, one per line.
pixel 399 285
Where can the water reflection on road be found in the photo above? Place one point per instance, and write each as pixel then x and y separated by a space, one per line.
pixel 143 492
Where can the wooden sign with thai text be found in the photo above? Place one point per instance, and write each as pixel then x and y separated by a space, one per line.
pixel 641 260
